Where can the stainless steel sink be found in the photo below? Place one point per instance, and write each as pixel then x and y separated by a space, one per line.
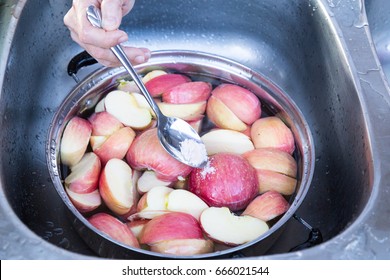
pixel 319 52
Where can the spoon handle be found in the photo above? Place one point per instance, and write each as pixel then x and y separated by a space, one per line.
pixel 94 17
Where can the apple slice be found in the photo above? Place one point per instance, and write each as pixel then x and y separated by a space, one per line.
pixel 128 86
pixel 186 202
pixel 187 112
pixel 100 107
pixel 191 92
pixel 222 116
pixel 267 206
pixel 114 228
pixel 84 175
pixel 142 102
pixel 74 141
pixel 146 215
pixel 137 227
pixel 104 124
pixel 271 180
pixel 97 141
pixel 85 202
pixel 155 199
pixel 116 145
pixel 170 226
pixel 153 74
pixel 149 180
pixel 226 141
pixel 272 159
pixel 116 187
pixel 271 132
pixel 242 102
pixel 124 107
pixel 161 83
pixel 146 152
pixel 223 226
pixel 183 247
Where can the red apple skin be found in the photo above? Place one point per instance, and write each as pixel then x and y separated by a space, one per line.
pixel 228 181
pixel 75 140
pixel 88 179
pixel 114 228
pixel 191 92
pixel 271 132
pixel 270 180
pixel 174 225
pixel 160 84
pixel 85 202
pixel 116 146
pixel 104 124
pixel 146 152
pixel 267 206
pixel 243 103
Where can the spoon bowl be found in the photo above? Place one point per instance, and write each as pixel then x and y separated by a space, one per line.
pixel 177 136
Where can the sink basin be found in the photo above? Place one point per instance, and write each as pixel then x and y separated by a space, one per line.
pixel 320 53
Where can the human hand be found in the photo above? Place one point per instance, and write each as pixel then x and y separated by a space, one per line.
pixel 97 42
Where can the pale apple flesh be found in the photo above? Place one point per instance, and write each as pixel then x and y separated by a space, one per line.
pixel 116 187
pixel 271 180
pixel 183 247
pixel 226 141
pixel 74 141
pixel 225 227
pixel 85 202
pixel 149 180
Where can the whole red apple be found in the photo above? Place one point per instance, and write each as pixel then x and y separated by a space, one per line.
pixel 227 180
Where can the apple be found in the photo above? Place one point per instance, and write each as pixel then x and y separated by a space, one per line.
pixel 219 114
pixel 84 176
pixel 187 112
pixel 125 108
pixel 146 215
pixel 155 199
pixel 128 86
pixel 271 180
pixel 117 188
pixel 146 152
pixel 227 180
pixel 271 132
pixel 116 145
pixel 225 227
pixel 170 226
pixel 114 228
pixel 272 159
pixel 161 83
pixel 149 180
pixel 137 227
pixel 226 141
pixel 142 102
pixel 100 107
pixel 85 202
pixel 74 141
pixel 97 141
pixel 153 74
pixel 267 206
pixel 186 202
pixel 104 124
pixel 183 247
pixel 191 92
pixel 242 102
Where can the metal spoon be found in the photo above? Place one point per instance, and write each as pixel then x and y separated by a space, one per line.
pixel 177 137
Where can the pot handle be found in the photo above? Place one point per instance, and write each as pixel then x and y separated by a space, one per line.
pixel 79 61
pixel 315 236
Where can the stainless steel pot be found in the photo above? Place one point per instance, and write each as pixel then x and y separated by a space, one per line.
pixel 87 93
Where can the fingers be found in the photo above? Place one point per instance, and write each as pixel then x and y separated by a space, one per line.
pixel 96 41
pixel 113 11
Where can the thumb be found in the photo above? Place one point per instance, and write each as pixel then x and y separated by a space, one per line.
pixel 111 14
